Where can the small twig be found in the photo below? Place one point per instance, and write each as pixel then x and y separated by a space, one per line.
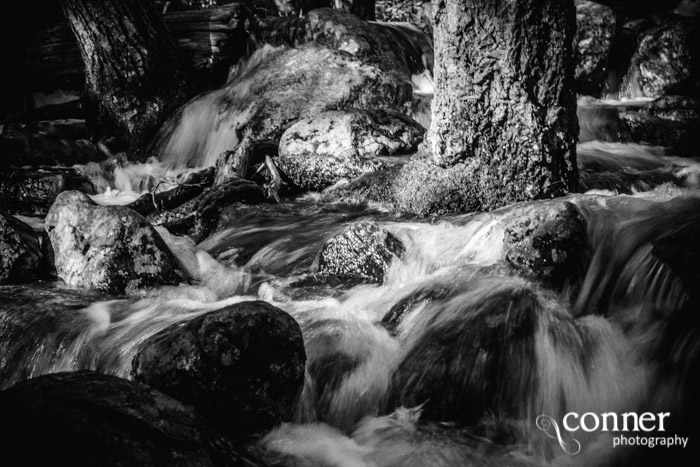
pixel 276 184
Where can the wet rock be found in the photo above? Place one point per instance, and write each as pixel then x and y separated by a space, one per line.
pixel 423 188
pixel 242 366
pixel 61 142
pixel 664 63
pixel 595 32
pixel 109 248
pixel 87 419
pixel 400 47
pixel 278 87
pixel 362 252
pixel 547 241
pixel 475 354
pixel 319 151
pixel 20 251
pixel 373 187
pixel 31 192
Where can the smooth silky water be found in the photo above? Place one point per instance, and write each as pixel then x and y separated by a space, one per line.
pixel 625 339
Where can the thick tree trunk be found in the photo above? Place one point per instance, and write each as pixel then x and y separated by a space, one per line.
pixel 504 102
pixel 132 76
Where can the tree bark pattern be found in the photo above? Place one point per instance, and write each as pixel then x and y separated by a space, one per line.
pixel 132 76
pixel 504 102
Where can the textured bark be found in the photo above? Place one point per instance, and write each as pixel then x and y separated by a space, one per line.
pixel 504 102
pixel 133 79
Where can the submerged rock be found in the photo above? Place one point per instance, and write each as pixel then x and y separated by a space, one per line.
pixel 547 241
pixel 20 251
pixel 110 248
pixel 241 366
pixel 595 32
pixel 476 354
pixel 319 151
pixel 88 419
pixel 361 252
pixel 31 192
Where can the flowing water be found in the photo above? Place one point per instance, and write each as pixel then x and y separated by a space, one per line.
pixel 474 342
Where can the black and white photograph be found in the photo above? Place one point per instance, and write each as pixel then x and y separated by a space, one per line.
pixel 350 233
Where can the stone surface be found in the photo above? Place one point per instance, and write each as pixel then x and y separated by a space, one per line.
pixel 423 188
pixel 400 47
pixel 31 192
pixel 109 248
pixel 88 419
pixel 242 366
pixel 319 151
pixel 362 252
pixel 547 241
pixel 595 32
pixel 475 355
pixel 275 89
pixel 20 251
pixel 665 62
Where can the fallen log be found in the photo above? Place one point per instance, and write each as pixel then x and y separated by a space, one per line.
pixel 192 186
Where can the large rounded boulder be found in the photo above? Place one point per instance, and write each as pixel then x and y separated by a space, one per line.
pixel 242 366
pixel 109 248
pixel 88 419
pixel 318 151
pixel 20 252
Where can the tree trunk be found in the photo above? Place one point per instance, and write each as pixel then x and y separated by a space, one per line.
pixel 132 76
pixel 504 103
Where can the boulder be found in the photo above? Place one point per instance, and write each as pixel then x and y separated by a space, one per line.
pixel 475 355
pixel 361 252
pixel 87 419
pixel 31 192
pixel 276 88
pixel 319 151
pixel 664 63
pixel 595 32
pixel 242 366
pixel 399 46
pixel 109 248
pixel 20 251
pixel 547 241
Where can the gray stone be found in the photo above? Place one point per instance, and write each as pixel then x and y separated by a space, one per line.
pixel 595 31
pixel 110 248
pixel 318 151
pixel 547 241
pixel 663 63
pixel 242 366
pixel 362 252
